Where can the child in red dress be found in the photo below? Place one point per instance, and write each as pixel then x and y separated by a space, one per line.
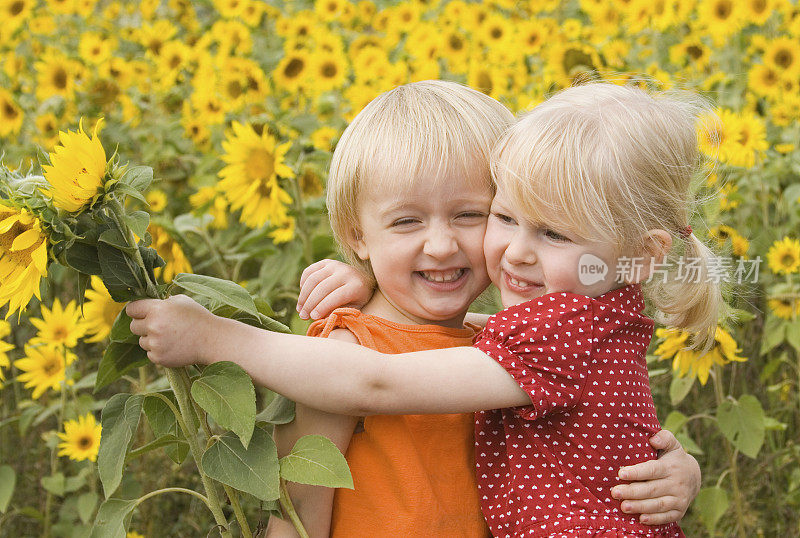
pixel 595 177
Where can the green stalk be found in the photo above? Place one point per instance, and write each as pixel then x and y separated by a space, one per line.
pixel 733 468
pixel 177 380
pixel 288 508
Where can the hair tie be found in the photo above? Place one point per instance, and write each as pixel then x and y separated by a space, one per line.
pixel 685 232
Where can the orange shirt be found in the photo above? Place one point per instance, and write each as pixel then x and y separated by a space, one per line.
pixel 414 475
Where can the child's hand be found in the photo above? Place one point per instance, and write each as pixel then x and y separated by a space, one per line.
pixel 661 490
pixel 330 284
pixel 172 331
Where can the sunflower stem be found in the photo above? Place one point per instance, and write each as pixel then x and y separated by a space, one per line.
pixel 732 454
pixel 288 508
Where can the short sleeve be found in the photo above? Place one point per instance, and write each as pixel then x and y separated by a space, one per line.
pixel 546 346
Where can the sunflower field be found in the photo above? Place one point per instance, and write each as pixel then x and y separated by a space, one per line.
pixel 236 106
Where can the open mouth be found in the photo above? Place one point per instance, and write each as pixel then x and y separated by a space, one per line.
pixel 443 277
pixel 516 283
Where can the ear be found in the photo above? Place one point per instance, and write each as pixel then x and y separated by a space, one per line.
pixel 355 239
pixel 657 244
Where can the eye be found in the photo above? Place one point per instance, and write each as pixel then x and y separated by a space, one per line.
pixel 405 221
pixel 505 219
pixel 472 215
pixel 555 236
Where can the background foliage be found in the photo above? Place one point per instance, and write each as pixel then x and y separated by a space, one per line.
pixel 237 104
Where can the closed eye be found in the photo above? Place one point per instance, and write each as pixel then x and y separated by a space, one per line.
pixel 472 215
pixel 555 236
pixel 505 219
pixel 403 221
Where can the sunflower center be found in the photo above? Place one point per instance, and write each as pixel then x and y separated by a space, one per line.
pixel 84 442
pixel 456 43
pixel 485 82
pixel 694 52
pixel 52 366
pixel 329 70
pixel 723 10
pixel 60 79
pixel 294 68
pixel 723 234
pixel 174 61
pixel 234 88
pixel 260 164
pixel 758 6
pixel 576 59
pixel 16 8
pixel 60 333
pixel 496 33
pixel 784 58
pixel 788 260
pixel 9 111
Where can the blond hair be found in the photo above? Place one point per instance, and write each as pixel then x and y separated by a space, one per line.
pixel 423 131
pixel 610 163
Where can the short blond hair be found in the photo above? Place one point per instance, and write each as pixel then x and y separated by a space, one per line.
pixel 609 163
pixel 422 131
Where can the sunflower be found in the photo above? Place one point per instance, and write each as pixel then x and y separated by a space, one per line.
pixel 134 534
pixel 44 367
pixel 157 200
pixel 751 139
pixel 56 75
pixel 783 54
pixel 323 138
pixel 99 311
pixel 23 257
pixel 59 326
pixel 250 179
pixel 692 53
pixel 292 70
pixel 230 8
pixel 284 232
pixel 208 199
pixel 15 12
pixel 171 251
pixel 785 307
pixel 758 11
pixel 77 171
pixel 783 256
pixel 717 134
pixel 328 72
pixel 47 130
pixel 208 106
pixel 568 63
pixel 5 347
pixel 696 363
pixel 721 18
pixel 11 115
pixel 94 49
pixel 764 80
pixel 81 439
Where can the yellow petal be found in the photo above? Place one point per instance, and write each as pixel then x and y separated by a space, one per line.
pixel 25 240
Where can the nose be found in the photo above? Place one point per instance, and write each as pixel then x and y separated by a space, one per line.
pixel 520 250
pixel 440 242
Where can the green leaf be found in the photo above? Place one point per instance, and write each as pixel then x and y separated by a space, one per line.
pixel 113 518
pixel 118 270
pixel 121 330
pixel 216 292
pixel 688 444
pixel 315 460
pixel 114 237
pixel 8 479
pixel 83 258
pixel 163 441
pixel 138 177
pixel 120 420
pixel 279 411
pixel 742 423
pixel 675 421
pixel 773 334
pixel 55 484
pixel 254 470
pixel 163 422
pixel 793 334
pixel 226 392
pixel 711 504
pixel 679 388
pixel 86 505
pixel 118 360
pixel 138 221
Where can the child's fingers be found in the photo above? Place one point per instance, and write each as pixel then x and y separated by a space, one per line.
pixel 140 308
pixel 342 296
pixel 640 490
pixel 647 470
pixel 659 507
pixel 314 267
pixel 665 440
pixel 672 516
pixel 322 276
pixel 322 294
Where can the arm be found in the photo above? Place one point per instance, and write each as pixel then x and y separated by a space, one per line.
pixel 334 376
pixel 313 504
pixel 330 284
pixel 476 319
pixel 661 490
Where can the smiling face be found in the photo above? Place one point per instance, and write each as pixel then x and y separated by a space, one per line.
pixel 527 260
pixel 425 246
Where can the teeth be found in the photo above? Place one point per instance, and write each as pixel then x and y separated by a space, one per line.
pixel 442 276
pixel 518 283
